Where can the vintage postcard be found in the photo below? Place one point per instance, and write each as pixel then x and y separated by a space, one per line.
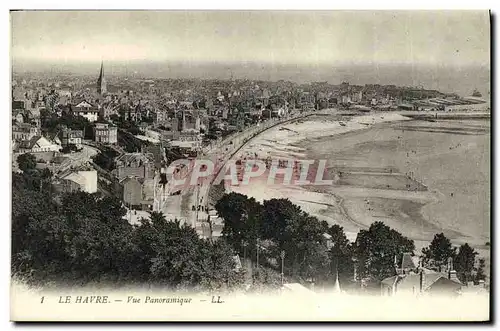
pixel 250 166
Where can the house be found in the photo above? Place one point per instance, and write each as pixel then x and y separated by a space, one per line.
pixel 78 180
pixel 138 193
pixel 108 109
pixel 33 116
pixel 188 141
pixel 135 165
pixel 105 133
pixel 71 137
pixel 24 131
pixel 133 114
pixel 87 110
pixel 191 121
pixel 18 104
pixel 17 115
pixel 160 116
pixel 38 144
pixel 413 280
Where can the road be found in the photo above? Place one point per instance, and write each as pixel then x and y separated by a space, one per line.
pixel 220 154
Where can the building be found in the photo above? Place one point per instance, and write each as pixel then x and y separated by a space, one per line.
pixel 71 137
pixel 187 141
pixel 135 165
pixel 105 133
pixel 138 193
pixel 87 110
pixel 160 116
pixel 413 280
pixel 38 144
pixel 108 109
pixel 101 82
pixel 78 180
pixel 24 131
pixel 18 115
pixel 191 120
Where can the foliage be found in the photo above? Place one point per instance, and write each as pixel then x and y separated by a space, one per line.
pixel 242 219
pixel 376 248
pixel 464 263
pixel 341 254
pixel 279 226
pixel 129 142
pixel 438 252
pixel 480 275
pixel 278 213
pixel 128 126
pixel 265 280
pixel 26 162
pixel 84 238
pixel 52 124
pixel 69 148
pixel 106 158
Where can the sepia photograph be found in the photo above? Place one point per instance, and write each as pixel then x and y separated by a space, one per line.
pixel 250 165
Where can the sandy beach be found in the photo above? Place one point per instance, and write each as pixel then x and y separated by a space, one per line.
pixel 413 175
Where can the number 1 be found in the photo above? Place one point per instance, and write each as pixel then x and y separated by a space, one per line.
pixel 42 299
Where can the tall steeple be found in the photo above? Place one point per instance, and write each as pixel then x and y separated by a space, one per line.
pixel 101 81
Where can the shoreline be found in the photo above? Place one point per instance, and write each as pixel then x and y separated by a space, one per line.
pixel 296 136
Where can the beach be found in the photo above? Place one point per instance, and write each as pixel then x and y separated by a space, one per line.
pixel 418 177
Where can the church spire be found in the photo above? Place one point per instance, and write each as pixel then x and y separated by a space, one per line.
pixel 101 81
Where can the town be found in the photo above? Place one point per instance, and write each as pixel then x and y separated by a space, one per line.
pixel 118 138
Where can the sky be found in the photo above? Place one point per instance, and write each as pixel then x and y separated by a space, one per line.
pixel 453 38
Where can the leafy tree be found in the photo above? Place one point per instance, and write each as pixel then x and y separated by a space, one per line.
pixel 480 275
pixel 438 252
pixel 51 123
pixel 242 219
pixel 305 248
pixel 69 148
pixel 105 159
pixel 464 263
pixel 283 226
pixel 376 248
pixel 265 280
pixel 26 162
pixel 341 254
pixel 114 117
pixel 221 271
pixel 277 214
pixel 178 258
pixel 35 225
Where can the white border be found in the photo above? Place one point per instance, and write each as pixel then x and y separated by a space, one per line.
pixel 179 5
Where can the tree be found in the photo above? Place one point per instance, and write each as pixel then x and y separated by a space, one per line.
pixel 221 267
pixel 306 251
pixel 480 275
pixel 242 219
pixel 278 213
pixel 106 158
pixel 84 237
pixel 376 248
pixel 438 252
pixel 265 280
pixel 464 263
pixel 26 162
pixel 341 254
